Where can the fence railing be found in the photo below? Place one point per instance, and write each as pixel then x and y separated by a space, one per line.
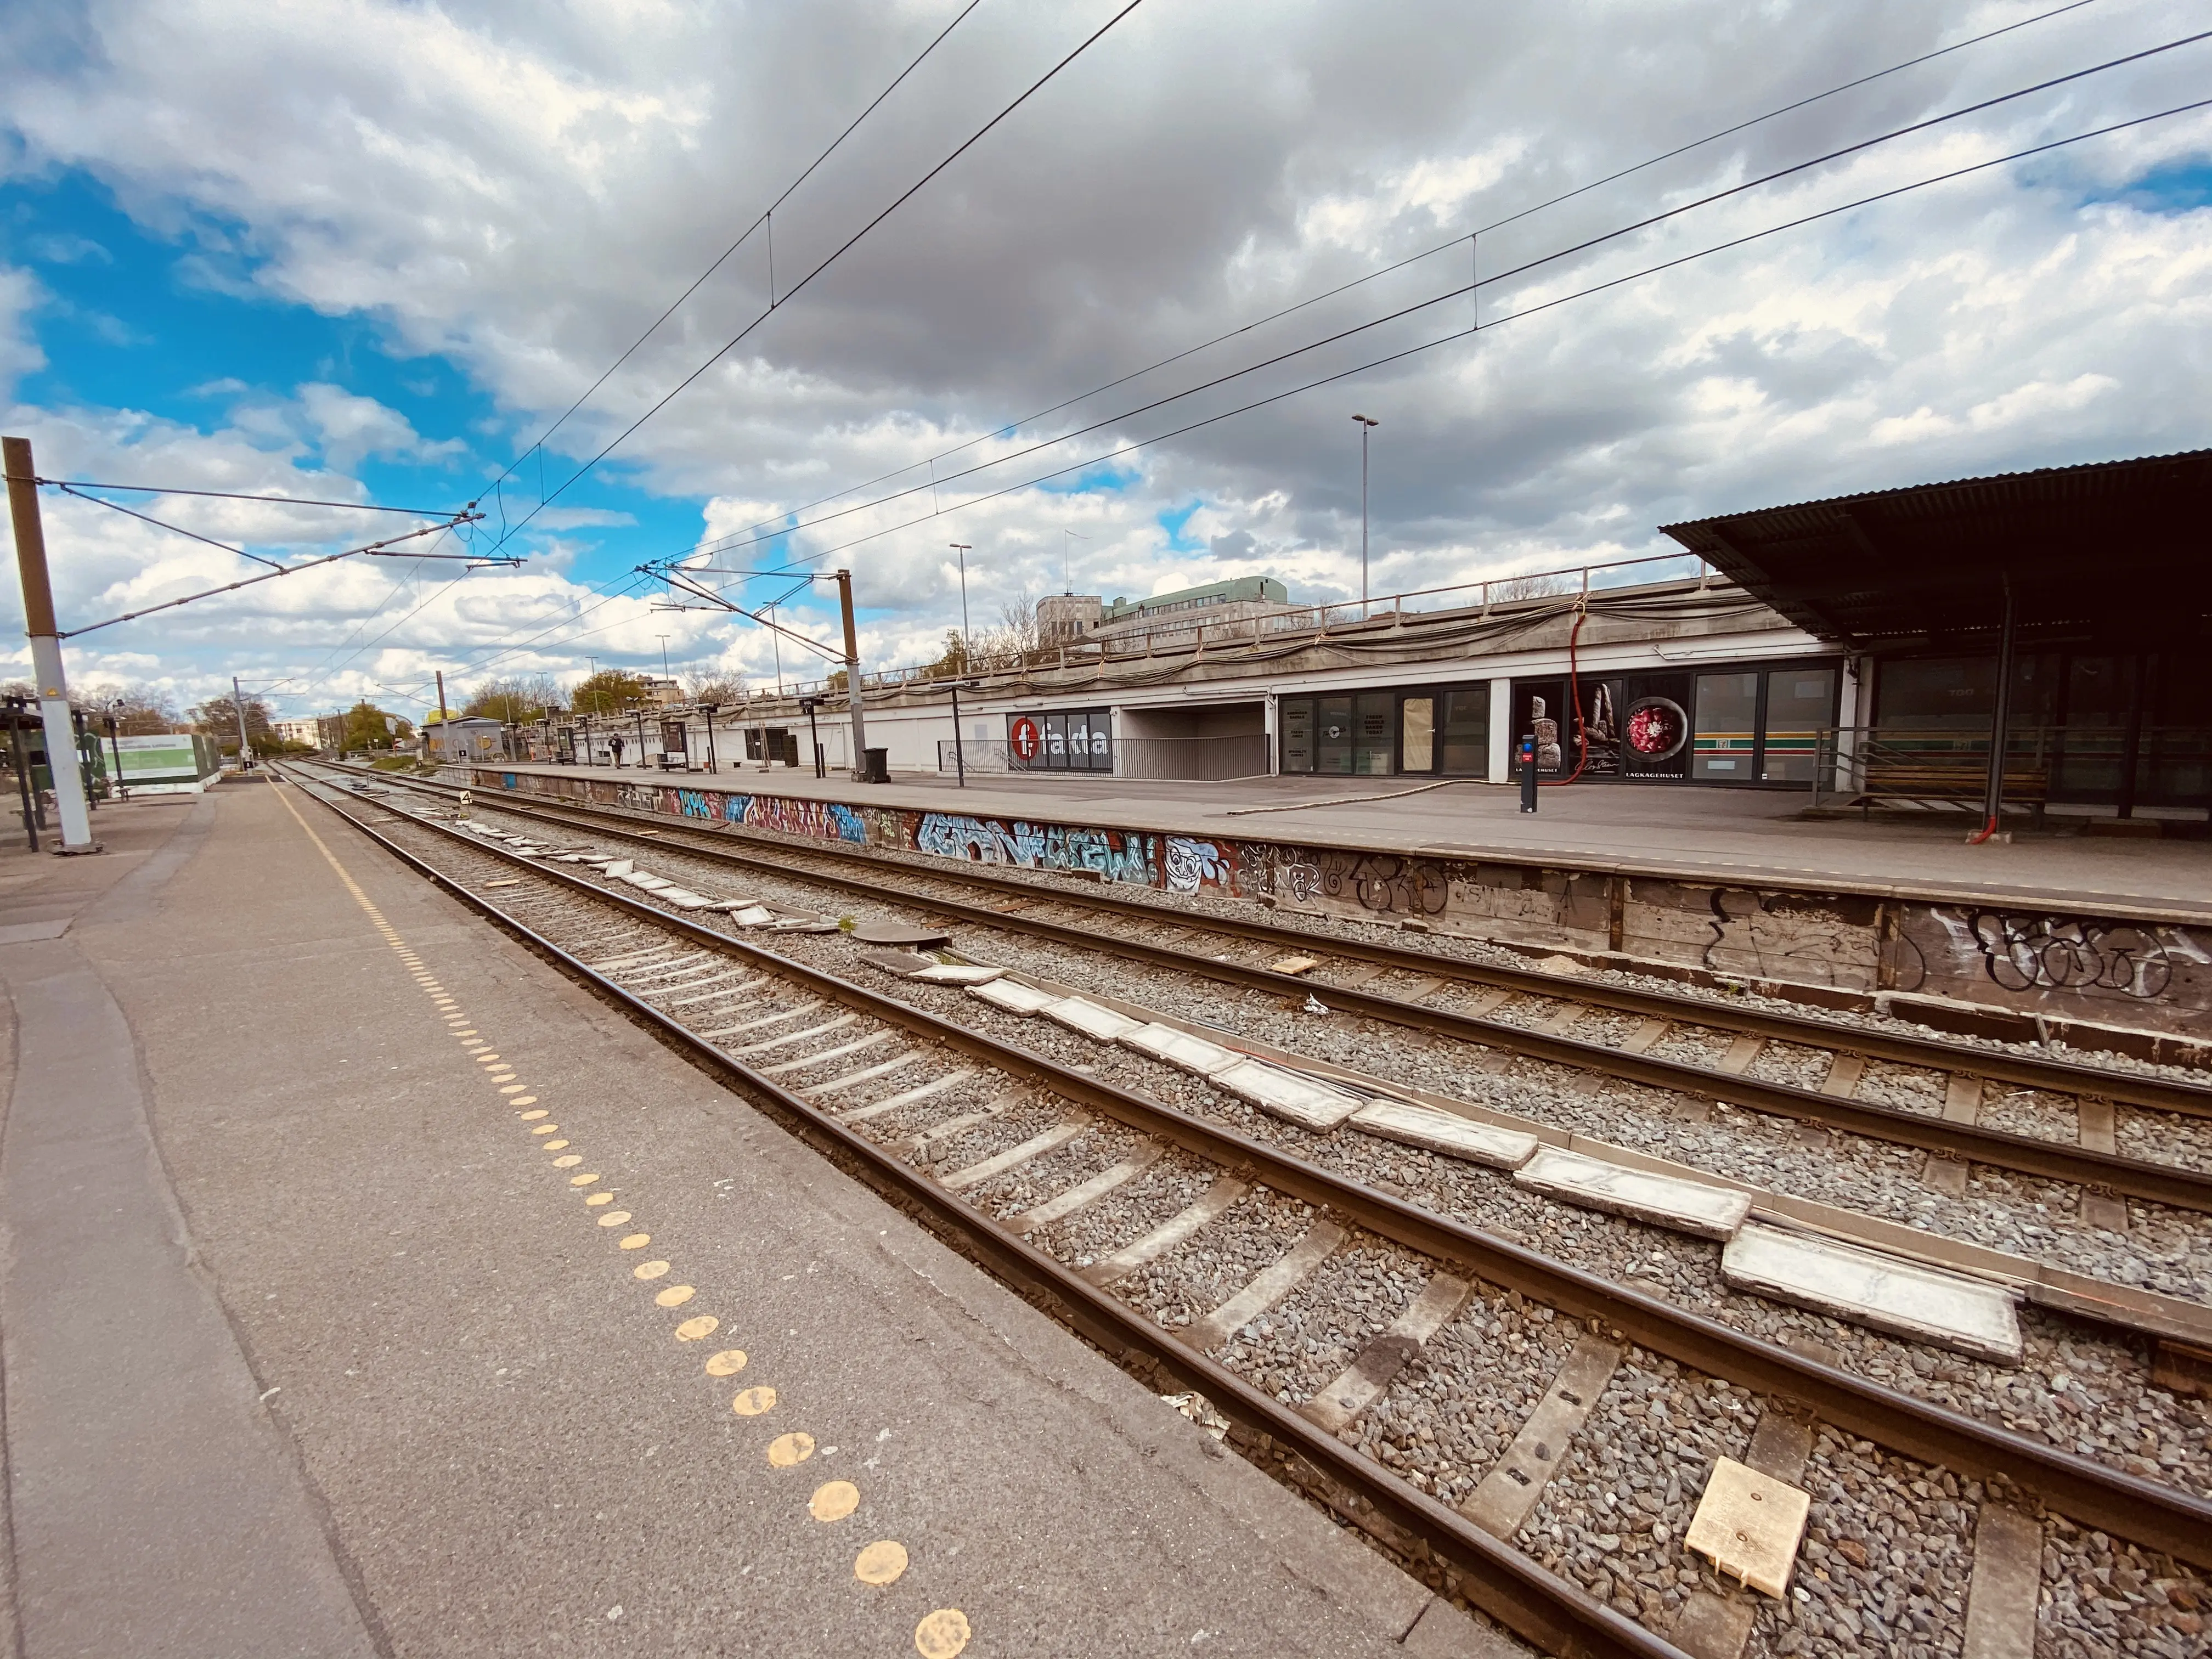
pixel 1198 760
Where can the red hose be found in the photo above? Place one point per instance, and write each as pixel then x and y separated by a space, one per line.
pixel 1987 829
pixel 1575 702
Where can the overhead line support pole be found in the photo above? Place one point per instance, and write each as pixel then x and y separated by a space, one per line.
pixel 853 678
pixel 62 761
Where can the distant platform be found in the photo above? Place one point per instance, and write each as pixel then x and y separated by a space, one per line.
pixel 2055 929
pixel 1703 834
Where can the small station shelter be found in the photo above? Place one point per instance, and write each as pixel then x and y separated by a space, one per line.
pixel 2042 637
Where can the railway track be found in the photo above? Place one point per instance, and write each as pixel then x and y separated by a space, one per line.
pixel 1956 1079
pixel 1222 1261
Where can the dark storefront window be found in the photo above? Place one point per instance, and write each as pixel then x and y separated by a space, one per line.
pixel 2103 727
pixel 1375 733
pixel 1466 731
pixel 1727 713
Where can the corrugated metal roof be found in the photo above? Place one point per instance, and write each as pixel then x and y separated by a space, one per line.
pixel 2091 546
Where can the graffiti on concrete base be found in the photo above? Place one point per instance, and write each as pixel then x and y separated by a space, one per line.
pixel 2034 962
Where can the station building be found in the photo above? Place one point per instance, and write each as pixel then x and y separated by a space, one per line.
pixel 1849 647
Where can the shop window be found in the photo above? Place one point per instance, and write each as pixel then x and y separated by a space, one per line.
pixel 1373 748
pixel 1066 740
pixel 1333 743
pixel 1727 726
pixel 1296 717
pixel 1417 734
pixel 1801 702
pixel 1466 732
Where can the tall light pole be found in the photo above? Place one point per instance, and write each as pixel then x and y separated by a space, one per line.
pixel 665 674
pixel 1067 580
pixel 963 548
pixel 1366 426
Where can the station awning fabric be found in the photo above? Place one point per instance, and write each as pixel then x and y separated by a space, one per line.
pixel 2117 549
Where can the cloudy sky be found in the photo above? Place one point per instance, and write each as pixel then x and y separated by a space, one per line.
pixel 369 251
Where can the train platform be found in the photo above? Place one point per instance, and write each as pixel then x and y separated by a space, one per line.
pixel 1738 836
pixel 307 1349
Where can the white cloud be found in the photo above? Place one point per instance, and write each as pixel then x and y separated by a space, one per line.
pixel 522 188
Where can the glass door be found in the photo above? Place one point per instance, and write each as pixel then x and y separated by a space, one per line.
pixel 1417 734
pixel 1332 744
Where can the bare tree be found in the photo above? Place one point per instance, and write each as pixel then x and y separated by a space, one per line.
pixel 1529 588
pixel 139 710
pixel 715 689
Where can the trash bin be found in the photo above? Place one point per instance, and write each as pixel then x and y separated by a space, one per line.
pixel 875 766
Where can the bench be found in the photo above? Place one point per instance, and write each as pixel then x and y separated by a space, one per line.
pixel 1939 781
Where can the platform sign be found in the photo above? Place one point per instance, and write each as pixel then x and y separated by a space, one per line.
pixel 1025 739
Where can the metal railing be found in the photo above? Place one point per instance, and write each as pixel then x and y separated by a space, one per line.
pixel 1939 767
pixel 1197 760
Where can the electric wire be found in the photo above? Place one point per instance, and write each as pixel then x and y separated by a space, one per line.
pixel 536 444
pixel 843 248
pixel 1441 247
pixel 1584 245
pixel 1533 310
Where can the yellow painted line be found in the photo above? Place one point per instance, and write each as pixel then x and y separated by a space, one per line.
pixel 529 1117
pixel 512 1088
pixel 524 1100
pixel 581 1179
pixel 881 1563
pixel 552 1145
pixel 696 1326
pixel 634 1242
pixel 753 1402
pixel 605 1198
pixel 547 1129
pixel 567 1162
pixel 728 1363
pixel 649 1270
pixel 675 1296
pixel 788 1451
pixel 612 1218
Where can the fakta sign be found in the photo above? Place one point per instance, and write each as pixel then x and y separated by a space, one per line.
pixel 1025 739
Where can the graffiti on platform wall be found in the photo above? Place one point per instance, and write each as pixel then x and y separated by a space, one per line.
pixel 1189 864
pixel 1762 935
pixel 1113 854
pixel 2066 953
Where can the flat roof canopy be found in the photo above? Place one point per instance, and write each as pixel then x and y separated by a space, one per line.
pixel 2117 548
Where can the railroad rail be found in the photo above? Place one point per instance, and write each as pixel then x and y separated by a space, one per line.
pixel 1954 1137
pixel 713 970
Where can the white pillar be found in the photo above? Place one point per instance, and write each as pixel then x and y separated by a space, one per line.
pixel 1502 735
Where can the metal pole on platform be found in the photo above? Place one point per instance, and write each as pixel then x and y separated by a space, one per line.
pixel 238 708
pixel 16 706
pixel 959 755
pixel 2000 720
pixel 69 802
pixel 1366 426
pixel 852 677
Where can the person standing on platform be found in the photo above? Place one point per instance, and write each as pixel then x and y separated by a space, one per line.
pixel 615 748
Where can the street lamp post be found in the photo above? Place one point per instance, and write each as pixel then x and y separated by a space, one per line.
pixel 813 739
pixel 115 745
pixel 1366 426
pixel 708 709
pixel 960 754
pixel 963 548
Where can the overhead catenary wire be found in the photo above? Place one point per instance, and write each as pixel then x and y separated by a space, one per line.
pixel 837 254
pixel 1009 427
pixel 536 444
pixel 1582 246
pixel 1727 132
pixel 1531 310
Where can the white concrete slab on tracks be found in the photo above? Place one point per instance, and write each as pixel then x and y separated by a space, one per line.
pixel 1948 1310
pixel 1689 1206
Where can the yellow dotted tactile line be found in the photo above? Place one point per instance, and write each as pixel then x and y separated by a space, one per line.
pixel 941 1634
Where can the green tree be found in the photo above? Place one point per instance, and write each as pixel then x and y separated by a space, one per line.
pixel 607 692
pixel 368 727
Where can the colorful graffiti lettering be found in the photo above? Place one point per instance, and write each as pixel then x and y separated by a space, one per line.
pixel 1190 864
pixel 1110 853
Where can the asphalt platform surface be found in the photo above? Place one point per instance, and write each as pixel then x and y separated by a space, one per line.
pixel 310 1349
